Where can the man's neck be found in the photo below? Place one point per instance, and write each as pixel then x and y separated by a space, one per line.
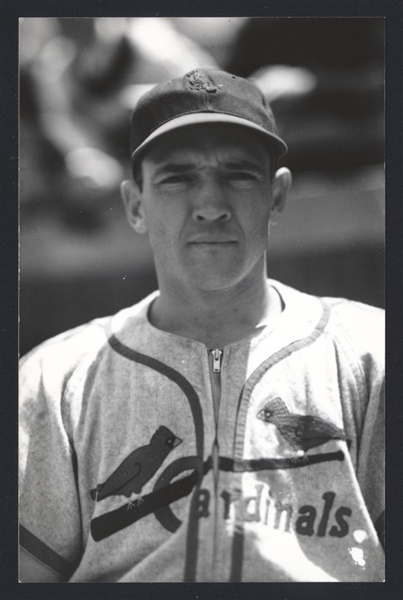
pixel 217 318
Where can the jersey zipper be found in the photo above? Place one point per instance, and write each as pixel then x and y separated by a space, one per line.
pixel 216 393
pixel 215 365
pixel 216 382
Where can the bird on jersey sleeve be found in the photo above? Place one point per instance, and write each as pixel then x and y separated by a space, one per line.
pixel 302 432
pixel 138 468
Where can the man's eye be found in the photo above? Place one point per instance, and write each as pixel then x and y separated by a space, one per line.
pixel 242 176
pixel 182 178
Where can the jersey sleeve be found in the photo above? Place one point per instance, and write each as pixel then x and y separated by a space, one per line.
pixel 371 454
pixel 364 335
pixel 50 526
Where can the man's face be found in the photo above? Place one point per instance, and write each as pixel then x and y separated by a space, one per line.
pixel 205 201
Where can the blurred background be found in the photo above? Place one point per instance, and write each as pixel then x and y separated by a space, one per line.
pixel 81 77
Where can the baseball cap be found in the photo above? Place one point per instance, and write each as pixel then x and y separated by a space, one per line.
pixel 202 96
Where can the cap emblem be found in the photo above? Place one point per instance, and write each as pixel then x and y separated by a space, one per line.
pixel 200 81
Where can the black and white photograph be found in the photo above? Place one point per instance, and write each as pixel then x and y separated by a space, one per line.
pixel 202 299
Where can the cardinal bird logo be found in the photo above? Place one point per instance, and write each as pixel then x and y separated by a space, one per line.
pixel 200 81
pixel 300 431
pixel 137 468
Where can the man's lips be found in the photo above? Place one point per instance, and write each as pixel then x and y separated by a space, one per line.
pixel 212 240
pixel 211 243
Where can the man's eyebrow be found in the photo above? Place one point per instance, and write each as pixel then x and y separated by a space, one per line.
pixel 236 165
pixel 174 168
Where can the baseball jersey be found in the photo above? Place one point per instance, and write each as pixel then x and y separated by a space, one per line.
pixel 148 457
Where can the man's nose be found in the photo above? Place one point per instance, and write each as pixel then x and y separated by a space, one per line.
pixel 211 204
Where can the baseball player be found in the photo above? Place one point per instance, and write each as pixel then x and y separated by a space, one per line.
pixel 227 428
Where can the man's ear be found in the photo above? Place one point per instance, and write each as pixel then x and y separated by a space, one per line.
pixel 281 185
pixel 133 203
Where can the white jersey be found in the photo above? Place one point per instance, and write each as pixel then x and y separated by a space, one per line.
pixel 147 457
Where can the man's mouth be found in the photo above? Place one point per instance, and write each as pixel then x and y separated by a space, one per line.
pixel 212 240
pixel 214 243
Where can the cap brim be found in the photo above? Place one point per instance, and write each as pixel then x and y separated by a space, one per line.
pixel 278 146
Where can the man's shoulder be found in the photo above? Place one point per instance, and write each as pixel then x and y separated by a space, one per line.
pixel 72 343
pixel 66 350
pixel 357 327
pixel 355 317
pixel 352 323
pixel 343 310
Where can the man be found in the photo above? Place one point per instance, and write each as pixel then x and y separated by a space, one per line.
pixel 228 427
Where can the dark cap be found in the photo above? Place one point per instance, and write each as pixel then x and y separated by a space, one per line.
pixel 202 96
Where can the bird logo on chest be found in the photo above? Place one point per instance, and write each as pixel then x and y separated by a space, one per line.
pixel 138 468
pixel 301 432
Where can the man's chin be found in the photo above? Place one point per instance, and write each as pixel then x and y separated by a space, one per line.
pixel 215 281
